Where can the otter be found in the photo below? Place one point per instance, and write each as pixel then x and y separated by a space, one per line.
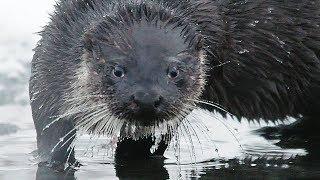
pixel 136 69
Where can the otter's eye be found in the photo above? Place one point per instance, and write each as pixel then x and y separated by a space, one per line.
pixel 118 72
pixel 173 72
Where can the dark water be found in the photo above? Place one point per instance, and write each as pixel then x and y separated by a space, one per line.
pixel 229 150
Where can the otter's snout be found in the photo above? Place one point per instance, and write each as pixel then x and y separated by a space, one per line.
pixel 147 101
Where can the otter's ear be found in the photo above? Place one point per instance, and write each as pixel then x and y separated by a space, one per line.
pixel 199 44
pixel 88 42
pixel 90 45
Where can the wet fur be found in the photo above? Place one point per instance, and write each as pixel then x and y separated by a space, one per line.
pixel 263 58
pixel 272 51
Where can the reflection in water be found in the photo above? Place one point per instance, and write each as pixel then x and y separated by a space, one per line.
pixel 300 134
pixel 142 169
pixel 263 171
pixel 235 169
pixel 230 161
pixel 47 173
pixel 137 169
pixel 260 159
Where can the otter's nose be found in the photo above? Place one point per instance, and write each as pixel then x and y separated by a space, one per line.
pixel 147 101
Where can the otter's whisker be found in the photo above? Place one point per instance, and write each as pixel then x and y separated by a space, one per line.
pixel 77 110
pixel 73 143
pixel 231 132
pixel 195 133
pixel 103 126
pixel 84 97
pixel 58 118
pixel 89 145
pixel 71 150
pixel 205 131
pixel 50 124
pixel 106 127
pixel 211 104
pixel 60 141
pixel 87 122
pixel 89 115
pixel 192 153
pixel 176 145
pixel 65 143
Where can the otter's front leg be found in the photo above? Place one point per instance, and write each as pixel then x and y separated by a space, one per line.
pixel 54 142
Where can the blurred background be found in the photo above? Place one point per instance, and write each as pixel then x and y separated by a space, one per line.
pixel 19 23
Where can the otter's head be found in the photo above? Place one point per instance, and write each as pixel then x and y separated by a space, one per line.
pixel 145 67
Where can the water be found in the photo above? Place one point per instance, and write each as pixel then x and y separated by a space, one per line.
pixel 258 158
pixel 228 149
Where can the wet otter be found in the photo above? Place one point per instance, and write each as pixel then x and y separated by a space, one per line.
pixel 137 68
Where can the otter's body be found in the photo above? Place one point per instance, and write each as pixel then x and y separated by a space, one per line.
pixel 257 59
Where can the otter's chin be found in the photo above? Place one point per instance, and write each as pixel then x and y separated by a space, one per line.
pixel 147 117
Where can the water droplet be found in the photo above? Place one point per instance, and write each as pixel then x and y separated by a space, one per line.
pixel 252 24
pixel 285 166
pixel 278 60
pixel 270 9
pixel 40 107
pixel 244 51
